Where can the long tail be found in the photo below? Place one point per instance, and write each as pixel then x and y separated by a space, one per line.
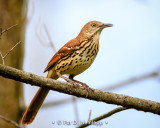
pixel 35 104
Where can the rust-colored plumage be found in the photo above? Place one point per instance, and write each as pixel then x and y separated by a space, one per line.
pixel 68 48
pixel 73 58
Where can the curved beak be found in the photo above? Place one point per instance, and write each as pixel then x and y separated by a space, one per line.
pixel 106 25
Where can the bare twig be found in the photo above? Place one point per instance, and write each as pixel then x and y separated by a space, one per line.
pixel 3 57
pixel 102 117
pixel 55 103
pixel 38 35
pixel 1 32
pixel 9 28
pixel 29 11
pixel 12 48
pixel 51 44
pixel 10 121
pixel 152 74
pixel 50 39
pixel 89 118
pixel 75 108
pixel 94 94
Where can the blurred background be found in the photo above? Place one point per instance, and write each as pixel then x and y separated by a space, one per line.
pixel 128 56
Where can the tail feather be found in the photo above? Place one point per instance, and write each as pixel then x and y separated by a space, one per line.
pixel 34 106
pixel 37 102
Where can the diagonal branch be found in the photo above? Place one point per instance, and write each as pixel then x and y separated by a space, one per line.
pixel 1 32
pixel 152 74
pixel 3 57
pixel 102 117
pixel 10 121
pixel 50 39
pixel 55 103
pixel 75 108
pixel 12 49
pixel 96 95
pixel 89 118
pixel 39 36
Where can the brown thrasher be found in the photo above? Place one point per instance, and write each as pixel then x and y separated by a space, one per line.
pixel 73 58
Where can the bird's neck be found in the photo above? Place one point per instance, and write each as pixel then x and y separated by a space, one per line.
pixel 82 37
pixel 96 36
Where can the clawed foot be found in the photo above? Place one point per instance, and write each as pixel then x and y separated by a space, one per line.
pixel 76 83
pixel 73 84
pixel 85 86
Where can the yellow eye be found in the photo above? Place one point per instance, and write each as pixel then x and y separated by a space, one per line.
pixel 93 25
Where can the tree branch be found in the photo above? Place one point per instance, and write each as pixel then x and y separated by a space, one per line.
pixel 55 103
pixel 10 121
pixel 152 74
pixel 89 118
pixel 3 57
pixel 50 39
pixel 75 108
pixel 1 32
pixel 96 95
pixel 39 36
pixel 102 117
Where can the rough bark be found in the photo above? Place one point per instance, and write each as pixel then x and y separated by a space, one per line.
pixel 94 94
pixel 10 92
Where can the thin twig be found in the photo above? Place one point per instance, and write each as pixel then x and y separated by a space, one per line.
pixel 12 49
pixel 102 117
pixel 1 32
pixel 50 39
pixel 10 121
pixel 9 28
pixel 29 11
pixel 152 74
pixel 75 108
pixel 55 103
pixel 38 35
pixel 3 57
pixel 89 118
pixel 51 44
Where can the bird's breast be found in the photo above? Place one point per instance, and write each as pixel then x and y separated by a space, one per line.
pixel 80 59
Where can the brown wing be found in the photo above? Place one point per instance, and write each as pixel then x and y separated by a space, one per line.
pixel 68 48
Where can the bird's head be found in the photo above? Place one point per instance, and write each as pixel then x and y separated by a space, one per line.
pixel 93 27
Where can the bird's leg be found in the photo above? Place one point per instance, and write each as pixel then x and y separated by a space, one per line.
pixel 69 80
pixel 75 82
pixel 83 84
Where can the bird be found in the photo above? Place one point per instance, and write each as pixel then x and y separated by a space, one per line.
pixel 72 59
